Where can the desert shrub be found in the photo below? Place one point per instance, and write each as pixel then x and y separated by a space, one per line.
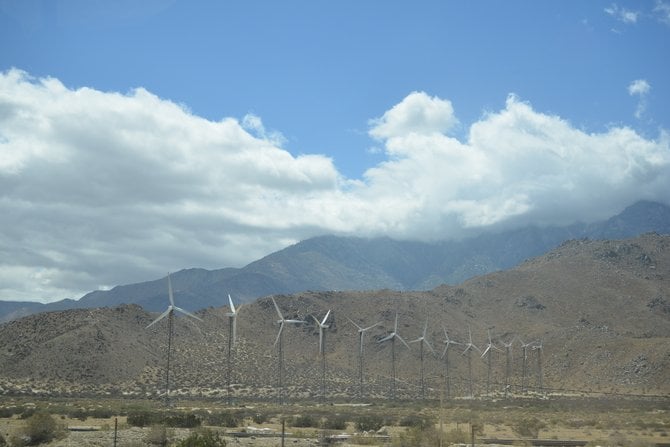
pixel 141 418
pixel 7 412
pixel 101 413
pixel 528 427
pixel 223 419
pixel 203 438
pixel 260 418
pixel 182 420
pixel 337 422
pixel 3 443
pixel 370 422
pixel 26 413
pixel 305 420
pixel 78 413
pixel 413 420
pixel 40 428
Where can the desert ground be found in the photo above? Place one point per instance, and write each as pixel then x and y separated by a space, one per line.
pixel 606 422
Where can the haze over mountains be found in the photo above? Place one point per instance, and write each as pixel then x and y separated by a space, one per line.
pixel 349 263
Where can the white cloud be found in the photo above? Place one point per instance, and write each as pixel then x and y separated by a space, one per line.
pixel 417 113
pixel 103 188
pixel 662 11
pixel 622 14
pixel 640 88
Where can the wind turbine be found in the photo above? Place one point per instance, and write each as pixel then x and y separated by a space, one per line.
pixel 280 356
pixel 524 364
pixel 169 313
pixel 445 355
pixel 322 338
pixel 232 338
pixel 392 337
pixel 538 347
pixel 469 347
pixel 423 340
pixel 361 334
pixel 508 363
pixel 490 347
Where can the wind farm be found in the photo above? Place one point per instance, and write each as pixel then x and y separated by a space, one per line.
pixel 276 346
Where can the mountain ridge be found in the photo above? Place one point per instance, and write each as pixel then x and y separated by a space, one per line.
pixel 353 263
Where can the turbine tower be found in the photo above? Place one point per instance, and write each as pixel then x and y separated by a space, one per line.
pixel 508 364
pixel 361 335
pixel 423 341
pixel 445 355
pixel 524 364
pixel 469 347
pixel 538 347
pixel 392 337
pixel 169 313
pixel 232 338
pixel 280 353
pixel 322 352
pixel 490 347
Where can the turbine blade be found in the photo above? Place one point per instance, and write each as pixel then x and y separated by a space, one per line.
pixel 387 338
pixel 425 329
pixel 294 321
pixel 357 326
pixel 486 350
pixel 403 341
pixel 160 317
pixel 281 317
pixel 185 312
pixel 170 295
pixel 232 306
pixel 395 328
pixel 281 327
pixel 430 347
pixel 445 351
pixel 325 318
pixel 370 327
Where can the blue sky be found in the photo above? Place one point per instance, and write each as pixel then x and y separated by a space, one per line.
pixel 235 128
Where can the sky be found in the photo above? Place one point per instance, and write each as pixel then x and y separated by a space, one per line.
pixel 138 138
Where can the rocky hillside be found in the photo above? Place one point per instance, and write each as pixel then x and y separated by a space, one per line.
pixel 600 308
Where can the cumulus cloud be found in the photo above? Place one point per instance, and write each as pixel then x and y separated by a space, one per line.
pixel 621 14
pixel 98 188
pixel 639 88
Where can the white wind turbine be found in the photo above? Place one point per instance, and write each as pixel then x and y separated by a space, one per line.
pixel 232 338
pixel 488 352
pixel 445 355
pixel 392 337
pixel 361 335
pixel 169 313
pixel 508 363
pixel 322 352
pixel 423 341
pixel 280 356
pixel 469 347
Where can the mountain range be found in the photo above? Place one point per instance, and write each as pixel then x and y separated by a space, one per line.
pixel 599 309
pixel 352 263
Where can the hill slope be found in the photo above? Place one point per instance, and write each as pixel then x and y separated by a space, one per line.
pixel 600 308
